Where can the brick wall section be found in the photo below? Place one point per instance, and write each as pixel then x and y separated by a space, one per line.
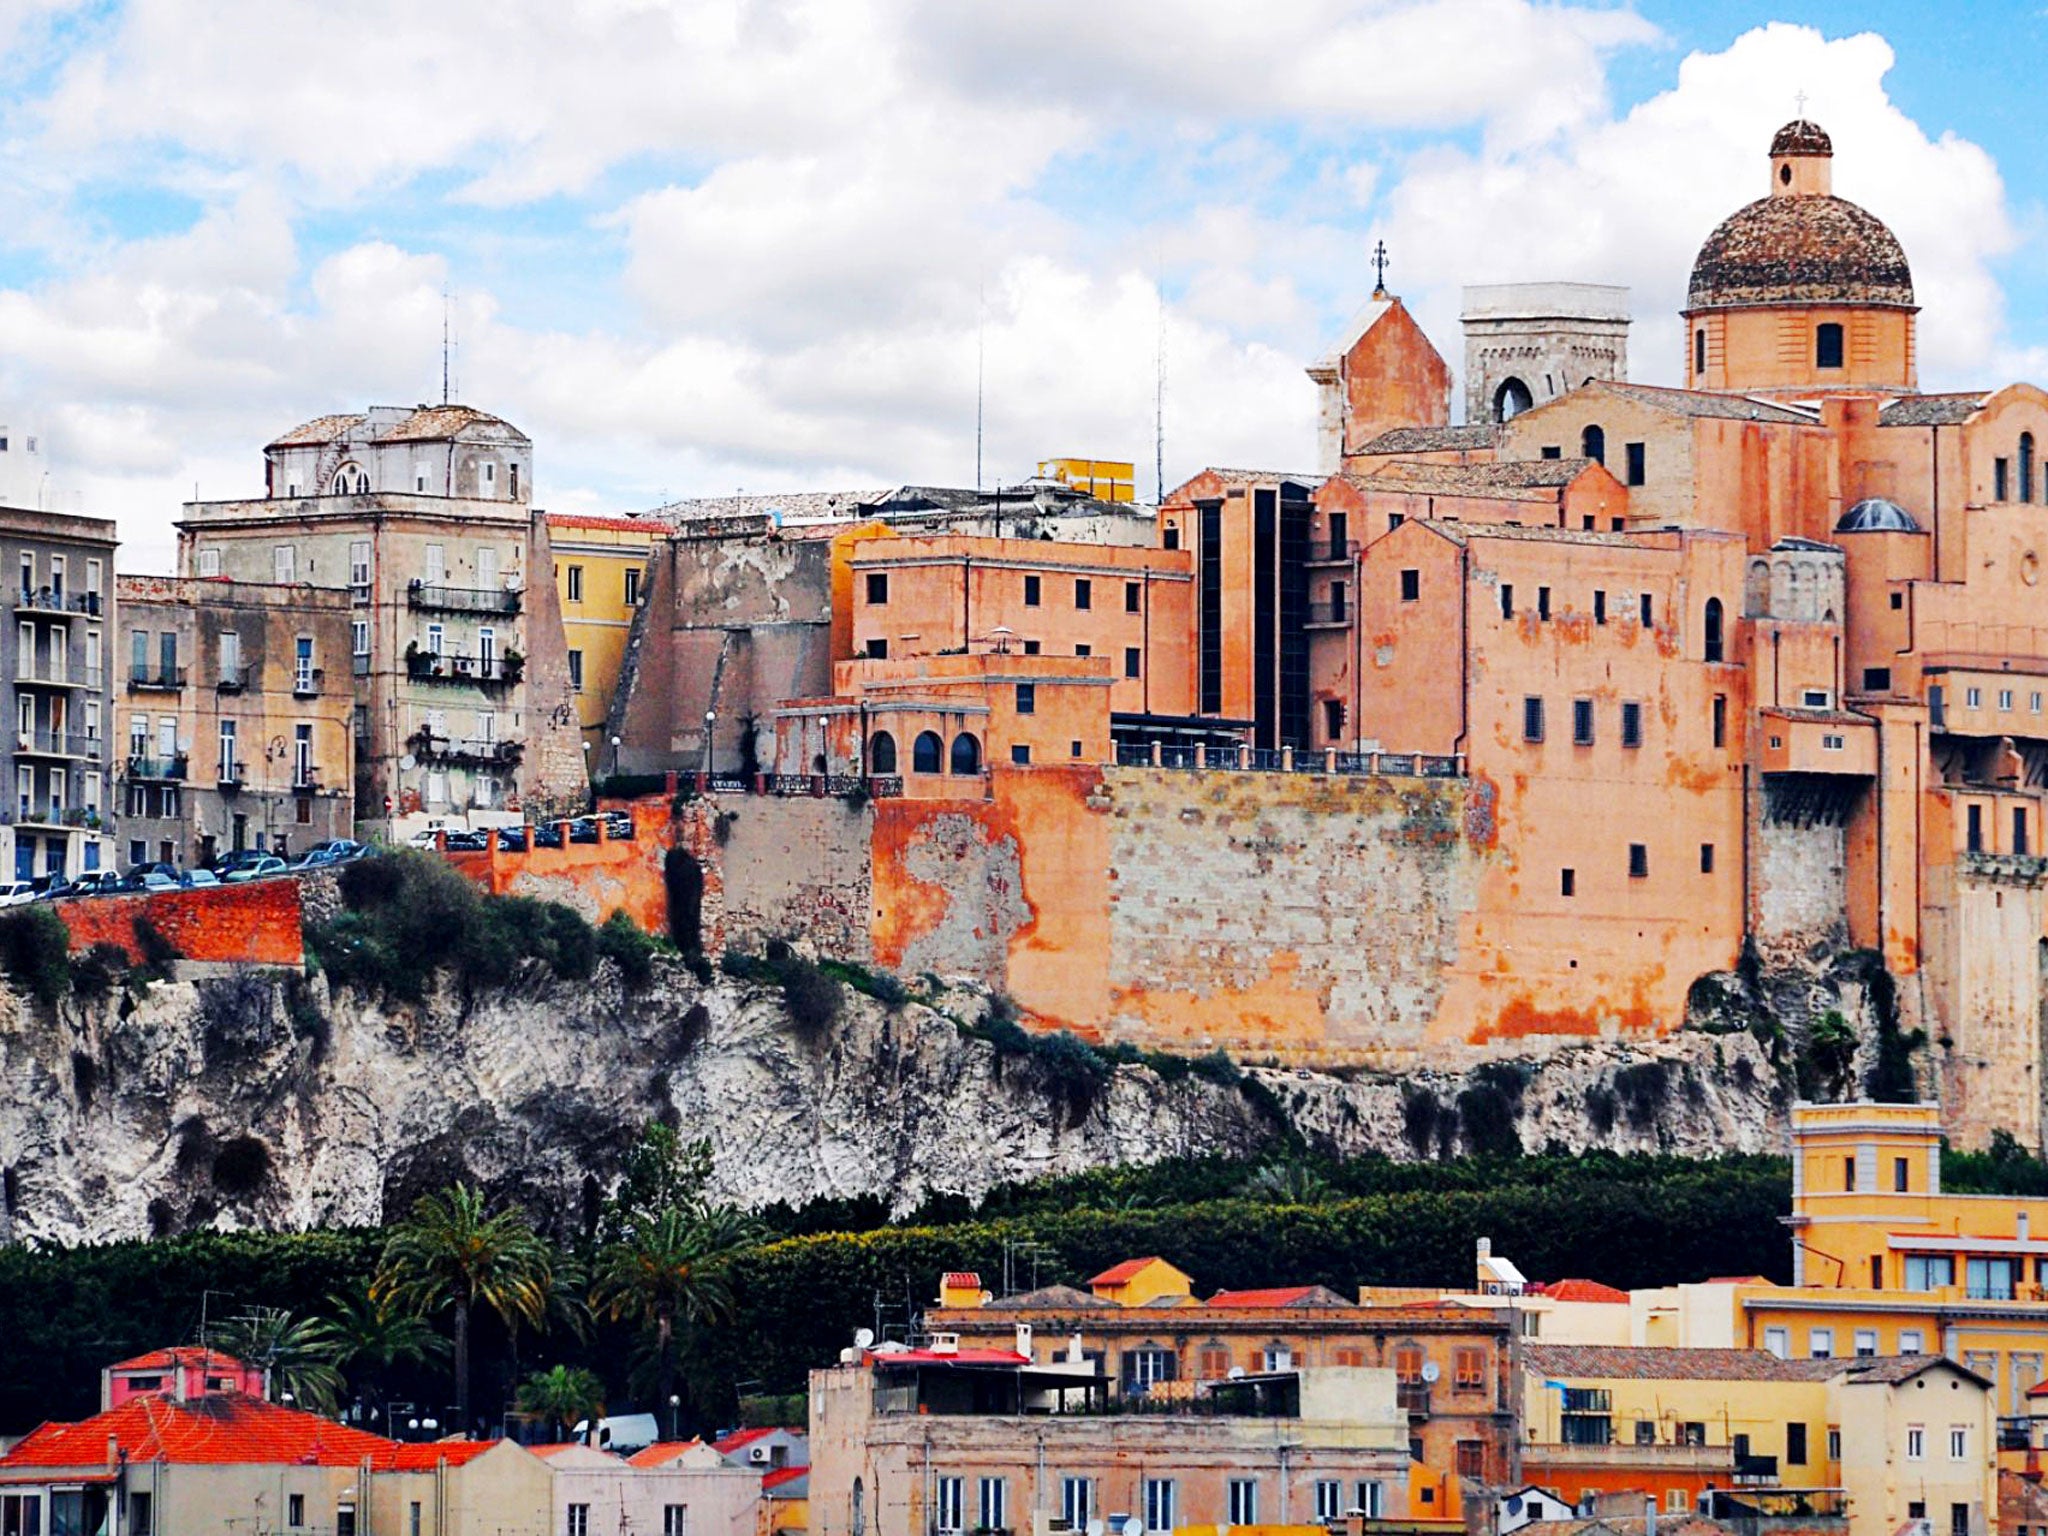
pixel 253 924
pixel 796 867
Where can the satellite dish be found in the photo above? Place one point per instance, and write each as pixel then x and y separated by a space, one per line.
pixel 864 1338
pixel 1096 1528
pixel 1133 1526
pixel 1431 1371
pixel 407 762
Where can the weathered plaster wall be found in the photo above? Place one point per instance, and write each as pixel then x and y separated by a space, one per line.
pixel 784 867
pixel 1989 1046
pixel 597 879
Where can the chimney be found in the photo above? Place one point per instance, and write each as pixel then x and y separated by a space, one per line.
pixel 1024 1340
pixel 1650 1516
pixel 113 1452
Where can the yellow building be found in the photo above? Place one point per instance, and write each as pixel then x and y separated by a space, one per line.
pixel 600 575
pixel 1881 1440
pixel 1141 1282
pixel 1104 479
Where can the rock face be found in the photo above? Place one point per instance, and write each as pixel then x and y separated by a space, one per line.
pixel 260 1100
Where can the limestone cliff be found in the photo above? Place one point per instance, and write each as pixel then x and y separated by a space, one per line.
pixel 260 1100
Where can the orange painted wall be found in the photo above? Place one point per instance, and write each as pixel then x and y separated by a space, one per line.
pixel 596 878
pixel 1392 376
pixel 253 924
pixel 1771 349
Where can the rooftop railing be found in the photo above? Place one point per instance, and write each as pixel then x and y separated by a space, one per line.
pixel 487 600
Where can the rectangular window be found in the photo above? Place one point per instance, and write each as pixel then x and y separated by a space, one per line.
pixel 1649 610
pixel 1131 661
pixel 1900 1170
pixel 1582 722
pixel 878 648
pixel 1638 861
pixel 1020 754
pixel 1599 606
pixel 1706 858
pixel 1930 1271
pixel 950 1495
pixel 1027 698
pixel 2001 476
pixel 229 773
pixel 1958 1442
pixel 1877 679
pixel 878 586
pixel 295 1510
pixel 1468 1369
pixel 1795 1445
pixel 1820 1343
pixel 1543 602
pixel 436 634
pixel 1973 835
pixel 633 575
pixel 434 562
pixel 1567 882
pixel 1084 650
pixel 359 570
pixel 1329 1500
pixel 1031 592
pixel 284 564
pixel 578 1523
pixel 1159 1503
pixel 1470 1459
pixel 1551 451
pixel 2005 698
pixel 141 1515
pixel 1532 719
pixel 575 583
pixel 993 1497
pixel 209 562
pixel 1411 585
pixel 1077 1502
pixel 1371 1499
pixel 414 1519
pixel 1720 719
pixel 575 671
pixel 1778 1341
pixel 1133 600
pixel 1631 725
pixel 359 637
pixel 1637 460
pixel 1507 600
pixel 1084 593
pixel 1910 1342
pixel 1866 1342
pixel 1989 1279
pixel 1244 1501
pixel 1973 698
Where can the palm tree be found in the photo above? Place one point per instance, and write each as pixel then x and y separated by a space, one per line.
pixel 365 1339
pixel 563 1395
pixel 292 1351
pixel 672 1266
pixel 1287 1184
pixel 451 1252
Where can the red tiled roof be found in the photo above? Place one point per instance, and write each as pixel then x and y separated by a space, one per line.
pixel 738 1440
pixel 661 1453
pixel 189 1354
pixel 424 1456
pixel 1581 1290
pixel 653 525
pixel 1122 1274
pixel 783 1475
pixel 225 1428
pixel 1278 1296
pixel 546 1451
pixel 961 1280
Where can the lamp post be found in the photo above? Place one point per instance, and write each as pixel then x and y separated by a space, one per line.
pixel 615 757
pixel 704 764
pixel 675 1408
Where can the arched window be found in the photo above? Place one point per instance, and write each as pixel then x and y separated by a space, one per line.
pixel 1511 399
pixel 1699 350
pixel 1593 445
pixel 966 754
pixel 1827 345
pixel 860 1508
pixel 927 753
pixel 2026 466
pixel 1713 638
pixel 882 752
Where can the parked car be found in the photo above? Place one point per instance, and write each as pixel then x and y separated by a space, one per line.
pixel 547 834
pixel 138 873
pixel 426 837
pixel 583 830
pixel 336 850
pixel 153 880
pixel 94 882
pixel 240 858
pixel 264 865
pixel 468 842
pixel 198 879
pixel 14 893
pixel 618 825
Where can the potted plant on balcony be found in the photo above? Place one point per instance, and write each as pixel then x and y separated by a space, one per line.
pixel 513 667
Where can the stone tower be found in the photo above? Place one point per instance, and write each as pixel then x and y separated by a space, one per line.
pixel 1527 343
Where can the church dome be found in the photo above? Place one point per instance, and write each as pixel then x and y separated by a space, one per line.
pixel 1877 515
pixel 1801 244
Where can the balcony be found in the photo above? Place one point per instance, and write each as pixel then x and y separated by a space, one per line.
pixel 305 781
pixel 56 818
pixel 470 752
pixel 59 676
pixel 233 679
pixel 307 685
pixel 1332 552
pixel 166 770
pixel 233 776
pixel 162 680
pixel 56 744
pixel 462 670
pixel 1328 616
pixel 1413 1398
pixel 57 603
pixel 479 600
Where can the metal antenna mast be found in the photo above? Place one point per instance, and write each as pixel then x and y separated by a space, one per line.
pixel 444 345
pixel 980 373
pixel 1159 395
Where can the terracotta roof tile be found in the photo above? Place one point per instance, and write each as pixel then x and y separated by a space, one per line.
pixel 781 1476
pixel 164 1359
pixel 1581 1290
pixel 1930 410
pixel 1473 435
pixel 1124 1273
pixel 1279 1296
pixel 661 1453
pixel 1477 480
pixel 1700 402
pixel 225 1428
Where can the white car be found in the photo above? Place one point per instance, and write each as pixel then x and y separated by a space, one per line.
pixel 15 893
pixel 269 864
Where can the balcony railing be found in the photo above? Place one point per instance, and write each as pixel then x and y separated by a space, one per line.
pixel 233 679
pixel 306 685
pixel 305 779
pixel 165 679
pixel 54 600
pixel 1413 1398
pixel 1333 552
pixel 56 744
pixel 59 816
pixel 166 769
pixel 49 676
pixel 453 667
pixel 232 776
pixel 1424 765
pixel 467 751
pixel 442 599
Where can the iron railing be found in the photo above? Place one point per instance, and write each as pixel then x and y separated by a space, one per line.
pixel 462 599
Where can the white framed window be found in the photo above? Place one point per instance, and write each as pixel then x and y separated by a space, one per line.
pixel 675 1520
pixel 1077 1502
pixel 2005 698
pixel 138 735
pixel 1973 698
pixel 575 671
pixel 284 563
pixel 490 475
pixel 92 719
pixel 633 587
pixel 1244 1501
pixel 230 656
pixel 1866 1342
pixel 57 579
pixel 486 649
pixel 28 574
pixel 359 637
pixel 1674 1501
pixel 1959 1442
pixel 437 786
pixel 228 773
pixel 1911 1343
pixel 993 1497
pixel 25 651
pixel 1329 1500
pixel 578 1521
pixel 167 737
pixel 1159 1503
pixel 302 755
pixel 487 567
pixel 949 1495
pixel 93 576
pixel 1820 1343
pixel 209 562
pixel 1916 1442
pixel 1275 1357
pixel 435 635
pixel 1371 1500
pixel 359 569
pixel 575 584
pixel 1778 1341
pixel 434 562
pixel 92 791
pixel 92 657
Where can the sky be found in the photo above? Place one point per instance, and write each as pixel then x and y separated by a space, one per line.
pixel 699 246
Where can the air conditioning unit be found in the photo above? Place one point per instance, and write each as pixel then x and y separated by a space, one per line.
pixel 759 1455
pixel 945 1344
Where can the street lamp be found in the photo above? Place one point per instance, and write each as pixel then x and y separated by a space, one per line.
pixel 710 723
pixel 615 757
pixel 675 1408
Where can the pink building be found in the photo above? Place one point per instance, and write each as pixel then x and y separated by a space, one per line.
pixel 181 1373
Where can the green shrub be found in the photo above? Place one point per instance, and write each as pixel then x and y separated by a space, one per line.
pixel 623 942
pixel 812 998
pixel 889 990
pixel 35 951
pixel 96 973
pixel 1217 1068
